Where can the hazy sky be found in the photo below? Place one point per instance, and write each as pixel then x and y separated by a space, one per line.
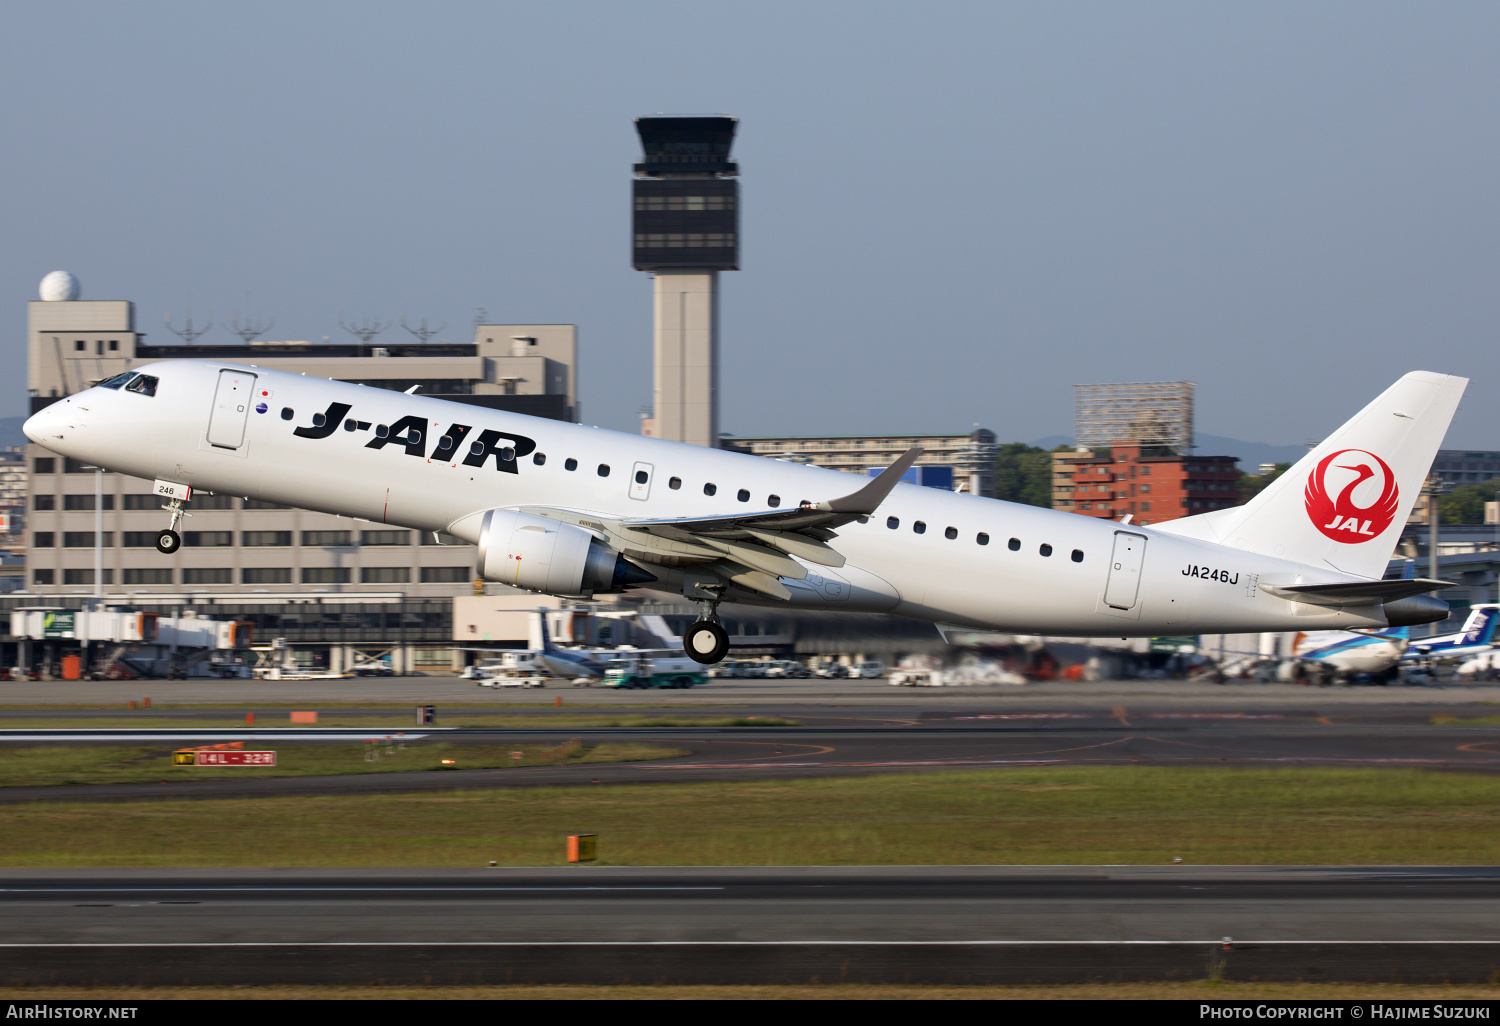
pixel 951 211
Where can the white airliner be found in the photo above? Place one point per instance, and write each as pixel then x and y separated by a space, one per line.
pixel 576 511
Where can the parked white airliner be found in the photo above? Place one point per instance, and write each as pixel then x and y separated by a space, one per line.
pixel 576 511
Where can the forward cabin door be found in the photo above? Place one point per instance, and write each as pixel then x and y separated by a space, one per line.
pixel 1125 570
pixel 226 424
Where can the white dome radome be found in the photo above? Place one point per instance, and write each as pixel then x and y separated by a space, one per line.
pixel 60 287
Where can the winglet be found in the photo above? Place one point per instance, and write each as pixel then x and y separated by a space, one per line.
pixel 869 498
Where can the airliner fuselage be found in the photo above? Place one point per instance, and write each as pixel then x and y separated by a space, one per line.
pixel 393 458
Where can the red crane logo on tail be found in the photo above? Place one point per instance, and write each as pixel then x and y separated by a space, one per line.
pixel 1339 518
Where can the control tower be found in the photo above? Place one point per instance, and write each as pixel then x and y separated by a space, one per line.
pixel 686 230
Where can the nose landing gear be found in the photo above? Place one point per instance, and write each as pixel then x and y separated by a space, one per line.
pixel 706 641
pixel 169 541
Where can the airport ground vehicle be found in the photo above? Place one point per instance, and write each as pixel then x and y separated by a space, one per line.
pixel 786 668
pixel 869 669
pixel 633 671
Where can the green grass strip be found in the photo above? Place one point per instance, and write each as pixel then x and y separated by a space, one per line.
pixel 1080 815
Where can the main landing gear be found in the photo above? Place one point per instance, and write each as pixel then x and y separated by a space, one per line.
pixel 706 641
pixel 169 541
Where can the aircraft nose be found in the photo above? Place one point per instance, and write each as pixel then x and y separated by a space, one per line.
pixel 53 425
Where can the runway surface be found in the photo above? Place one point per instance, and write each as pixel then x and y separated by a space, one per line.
pixel 593 904
pixel 834 744
pixel 914 924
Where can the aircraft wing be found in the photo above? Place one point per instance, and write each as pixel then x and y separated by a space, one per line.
pixel 750 549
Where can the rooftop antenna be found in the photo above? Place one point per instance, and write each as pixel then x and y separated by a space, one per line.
pixel 480 316
pixel 252 329
pixel 424 332
pixel 366 329
pixel 188 333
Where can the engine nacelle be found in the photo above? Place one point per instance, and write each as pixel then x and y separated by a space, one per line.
pixel 542 554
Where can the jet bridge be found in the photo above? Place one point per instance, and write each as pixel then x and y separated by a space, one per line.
pixel 122 643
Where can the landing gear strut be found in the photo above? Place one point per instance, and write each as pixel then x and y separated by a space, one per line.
pixel 706 641
pixel 169 541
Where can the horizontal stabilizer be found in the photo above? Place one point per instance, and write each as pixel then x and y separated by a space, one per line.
pixel 1354 593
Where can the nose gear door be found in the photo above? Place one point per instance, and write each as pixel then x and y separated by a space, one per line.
pixel 226 422
pixel 1125 570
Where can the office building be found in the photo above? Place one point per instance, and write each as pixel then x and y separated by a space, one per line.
pixel 237 545
pixel 971 455
pixel 685 230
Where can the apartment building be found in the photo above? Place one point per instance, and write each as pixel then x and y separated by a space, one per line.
pixel 1132 479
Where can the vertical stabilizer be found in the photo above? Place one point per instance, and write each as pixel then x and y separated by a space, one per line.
pixel 1344 504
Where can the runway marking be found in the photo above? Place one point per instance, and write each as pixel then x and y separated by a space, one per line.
pixel 306 889
pixel 871 719
pixel 1085 748
pixel 912 762
pixel 1216 716
pixel 286 735
pixel 1119 714
pixel 1212 941
pixel 1189 744
pixel 1027 716
pixel 1475 747
pixel 821 749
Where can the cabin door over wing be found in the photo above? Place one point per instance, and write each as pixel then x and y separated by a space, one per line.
pixel 1125 570
pixel 226 423
pixel 640 481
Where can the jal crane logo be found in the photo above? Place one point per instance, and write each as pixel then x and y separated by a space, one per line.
pixel 1340 517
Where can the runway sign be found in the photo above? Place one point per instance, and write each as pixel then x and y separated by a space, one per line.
pixel 583 847
pixel 224 758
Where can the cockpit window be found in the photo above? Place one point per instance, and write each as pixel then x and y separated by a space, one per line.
pixel 145 384
pixel 117 380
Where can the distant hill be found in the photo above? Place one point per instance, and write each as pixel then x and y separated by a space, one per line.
pixel 1250 455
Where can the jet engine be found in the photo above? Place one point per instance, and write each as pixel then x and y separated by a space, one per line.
pixel 542 554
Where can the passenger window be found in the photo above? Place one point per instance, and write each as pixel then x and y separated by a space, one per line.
pixel 570 464
pixel 540 459
pixel 893 522
pixel 710 489
pixel 773 501
pixel 287 413
pixel 117 380
pixel 145 384
pixel 641 477
pixel 604 470
pixel 1078 555
pixel 1046 549
pixel 919 527
pixel 864 520
pixel 744 495
pixel 1014 544
pixel 381 430
pixel 951 533
pixel 353 425
pixel 675 483
pixel 982 538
